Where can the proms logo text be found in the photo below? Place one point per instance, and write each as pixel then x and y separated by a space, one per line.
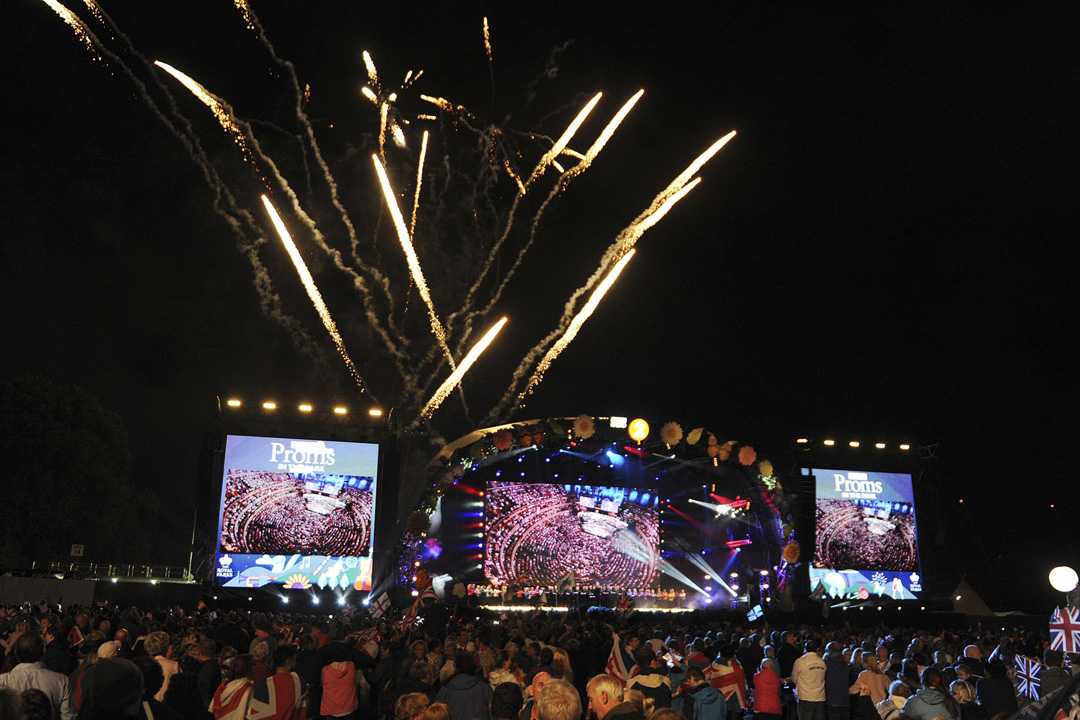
pixel 302 456
pixel 856 486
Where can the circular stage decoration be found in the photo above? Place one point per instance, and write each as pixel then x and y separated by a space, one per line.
pixel 601 503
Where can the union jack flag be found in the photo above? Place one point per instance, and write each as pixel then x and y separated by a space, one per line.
pixel 1065 630
pixel 1027 677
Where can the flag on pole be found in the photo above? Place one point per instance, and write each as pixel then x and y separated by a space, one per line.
pixel 615 665
pixel 380 605
pixel 1065 630
pixel 1027 677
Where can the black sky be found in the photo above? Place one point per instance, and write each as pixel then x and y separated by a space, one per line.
pixel 882 250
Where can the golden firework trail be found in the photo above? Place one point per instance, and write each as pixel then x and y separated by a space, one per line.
pixel 451 382
pixel 487 42
pixel 419 182
pixel 564 139
pixel 245 12
pixel 370 95
pixel 369 65
pixel 95 10
pixel 384 109
pixel 217 106
pixel 439 102
pixel 575 325
pixel 410 257
pixel 426 116
pixel 312 290
pixel 405 82
pixel 83 33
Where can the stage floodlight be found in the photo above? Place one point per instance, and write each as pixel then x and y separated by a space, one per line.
pixel 305 407
pixel 116 580
pixel 853 443
pixel 1064 579
pixel 341 601
pixel 269 405
pixel 618 422
pixel 802 441
pixel 153 582
pixel 375 412
pixel 234 402
pixel 314 599
pixel 341 410
pixel 905 447
pixel 880 445
pixel 829 442
pixel 366 601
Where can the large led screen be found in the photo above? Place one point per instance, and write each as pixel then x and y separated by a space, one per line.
pixel 866 545
pixel 296 513
pixel 541 535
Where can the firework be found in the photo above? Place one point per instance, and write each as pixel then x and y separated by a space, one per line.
pixel 419 182
pixel 564 139
pixel 410 258
pixel 218 107
pixel 369 65
pixel 312 290
pixel 245 12
pixel 451 382
pixel 83 33
pixel 487 42
pixel 96 11
pixel 576 324
pixel 369 94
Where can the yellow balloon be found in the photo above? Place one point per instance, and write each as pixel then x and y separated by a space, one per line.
pixel 638 429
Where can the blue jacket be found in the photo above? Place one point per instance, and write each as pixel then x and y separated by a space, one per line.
pixel 837 680
pixel 926 704
pixel 468 696
pixel 702 703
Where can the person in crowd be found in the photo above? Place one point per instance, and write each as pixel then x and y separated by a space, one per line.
pixel 558 701
pixel 996 692
pixel 649 679
pixel 606 699
pixel 153 677
pixel 507 700
pixel 505 670
pixel 156 646
pixel 35 706
pixel 767 691
pixel 410 705
pixel 1053 676
pixel 30 672
pixel 788 654
pixel 184 695
pixel 10 704
pixel 58 656
pixel 436 711
pixel 113 688
pixel 727 676
pixel 232 696
pixel 340 698
pixel 870 688
pixel 698 700
pixel 837 683
pixel 974 657
pixel 466 694
pixel 932 701
pixel 560 663
pixel 808 675
pixel 890 707
pixel 964 695
pixel 532 692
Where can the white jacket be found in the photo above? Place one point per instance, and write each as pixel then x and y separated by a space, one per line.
pixel 35 675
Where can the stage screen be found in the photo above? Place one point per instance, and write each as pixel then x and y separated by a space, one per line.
pixel 541 535
pixel 866 545
pixel 296 513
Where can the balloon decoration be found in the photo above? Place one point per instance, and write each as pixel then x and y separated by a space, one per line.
pixel 694 436
pixel 584 427
pixel 747 455
pixel 504 440
pixel 671 433
pixel 791 552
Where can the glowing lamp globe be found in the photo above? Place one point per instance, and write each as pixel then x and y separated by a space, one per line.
pixel 1064 579
pixel 638 429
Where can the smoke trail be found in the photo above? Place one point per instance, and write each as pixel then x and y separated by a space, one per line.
pixel 455 377
pixel 626 239
pixel 313 293
pixel 560 186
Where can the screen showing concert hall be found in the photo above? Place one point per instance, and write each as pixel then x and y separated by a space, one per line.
pixel 551 535
pixel 296 513
pixel 866 546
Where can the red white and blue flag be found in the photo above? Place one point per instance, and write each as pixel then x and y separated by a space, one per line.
pixel 615 664
pixel 1065 630
pixel 1027 677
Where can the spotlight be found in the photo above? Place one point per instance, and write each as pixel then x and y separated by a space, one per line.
pixel 116 580
pixel 764 572
pixel 305 407
pixel 314 599
pixel 284 600
pixel 234 402
pixel 829 442
pixel 802 441
pixel 416 564
pixel 905 447
pixel 375 412
pixel 853 443
pixel 879 445
pixel 618 422
pixel 958 597
pixel 341 601
pixel 366 601
pixel 341 410
pixel 153 582
pixel 415 593
pixel 269 405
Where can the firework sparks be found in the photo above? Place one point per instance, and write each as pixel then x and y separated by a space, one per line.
pixel 487 42
pixel 218 107
pixel 95 10
pixel 384 109
pixel 369 65
pixel 370 94
pixel 426 116
pixel 83 33
pixel 245 12
pixel 451 382
pixel 419 182
pixel 564 139
pixel 576 324
pixel 410 258
pixel 439 102
pixel 312 290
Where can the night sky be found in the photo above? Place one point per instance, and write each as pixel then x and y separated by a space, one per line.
pixel 881 251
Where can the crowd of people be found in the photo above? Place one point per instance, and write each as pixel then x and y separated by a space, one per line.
pixel 463 664
pixel 845 538
pixel 542 532
pixel 273 513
